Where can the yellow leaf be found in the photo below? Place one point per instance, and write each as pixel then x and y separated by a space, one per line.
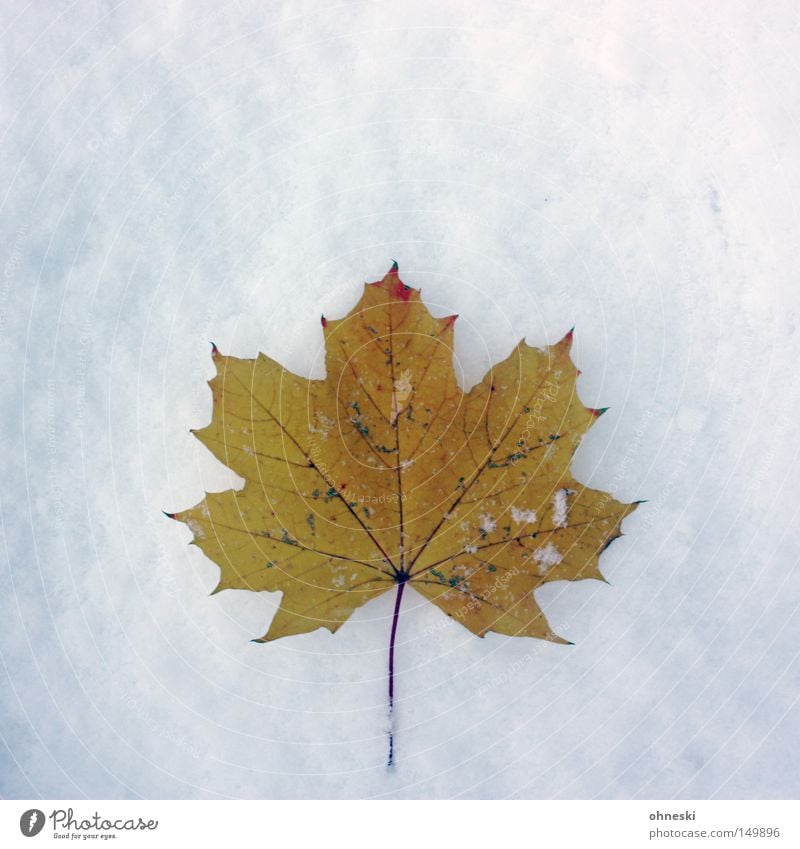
pixel 387 474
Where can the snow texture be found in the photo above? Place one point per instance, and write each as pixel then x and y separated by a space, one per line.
pixel 547 556
pixel 181 173
pixel 523 517
pixel 560 508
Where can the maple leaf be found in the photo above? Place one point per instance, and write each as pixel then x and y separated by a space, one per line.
pixel 387 474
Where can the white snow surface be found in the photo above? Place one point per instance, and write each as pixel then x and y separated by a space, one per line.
pixel 546 556
pixel 523 517
pixel 560 508
pixel 180 173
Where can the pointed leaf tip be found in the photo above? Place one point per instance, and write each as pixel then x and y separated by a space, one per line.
pixel 323 321
pixel 214 350
pixel 566 339
pixel 168 515
pixel 599 411
pixel 395 267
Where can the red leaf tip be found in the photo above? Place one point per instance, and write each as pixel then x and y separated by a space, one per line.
pixel 214 350
pixel 323 321
pixel 598 412
pixel 401 291
pixel 168 515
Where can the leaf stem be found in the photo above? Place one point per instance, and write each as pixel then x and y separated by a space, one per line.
pixel 402 578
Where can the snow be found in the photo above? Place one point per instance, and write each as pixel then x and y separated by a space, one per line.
pixel 325 425
pixel 196 528
pixel 547 556
pixel 180 173
pixel 560 508
pixel 487 523
pixel 523 517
